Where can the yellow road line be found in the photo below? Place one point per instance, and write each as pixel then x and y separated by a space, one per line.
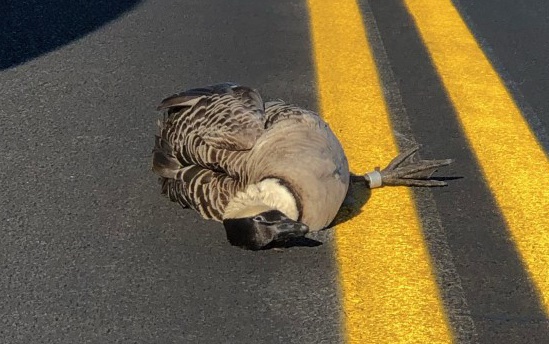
pixel 388 288
pixel 514 164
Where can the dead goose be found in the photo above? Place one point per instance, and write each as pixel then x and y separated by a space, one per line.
pixel 268 171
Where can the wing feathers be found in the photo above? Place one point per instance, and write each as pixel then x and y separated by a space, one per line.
pixel 204 134
pixel 205 191
pixel 224 116
pixel 202 150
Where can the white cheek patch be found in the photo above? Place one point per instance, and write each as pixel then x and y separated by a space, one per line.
pixel 248 211
pixel 266 195
pixel 279 197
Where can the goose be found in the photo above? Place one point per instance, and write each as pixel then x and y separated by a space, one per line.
pixel 268 171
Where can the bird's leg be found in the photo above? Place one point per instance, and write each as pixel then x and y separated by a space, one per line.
pixel 406 169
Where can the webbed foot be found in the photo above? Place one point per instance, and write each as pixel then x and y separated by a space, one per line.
pixel 407 170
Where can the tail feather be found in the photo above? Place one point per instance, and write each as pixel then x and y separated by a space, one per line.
pixel 172 188
pixel 165 162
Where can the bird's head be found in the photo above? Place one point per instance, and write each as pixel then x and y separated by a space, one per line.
pixel 257 226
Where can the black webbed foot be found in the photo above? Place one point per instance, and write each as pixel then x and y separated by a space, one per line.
pixel 407 170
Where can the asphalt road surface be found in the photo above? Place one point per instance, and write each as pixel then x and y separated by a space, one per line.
pixel 90 252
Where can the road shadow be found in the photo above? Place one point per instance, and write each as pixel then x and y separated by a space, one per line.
pixel 294 242
pixel 31 28
pixel 357 195
pixel 447 179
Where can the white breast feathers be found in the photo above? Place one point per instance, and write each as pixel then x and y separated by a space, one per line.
pixel 267 194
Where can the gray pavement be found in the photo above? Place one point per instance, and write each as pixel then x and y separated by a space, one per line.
pixel 90 252
pixel 501 301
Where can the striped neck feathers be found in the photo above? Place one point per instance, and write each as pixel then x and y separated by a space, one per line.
pixel 266 195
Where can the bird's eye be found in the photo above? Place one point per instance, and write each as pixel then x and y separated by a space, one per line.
pixel 259 218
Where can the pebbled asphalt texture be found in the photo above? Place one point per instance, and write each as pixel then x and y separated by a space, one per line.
pixel 90 252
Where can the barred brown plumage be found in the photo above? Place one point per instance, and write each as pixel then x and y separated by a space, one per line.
pixel 269 171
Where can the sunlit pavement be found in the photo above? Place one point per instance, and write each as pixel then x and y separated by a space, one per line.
pixel 92 253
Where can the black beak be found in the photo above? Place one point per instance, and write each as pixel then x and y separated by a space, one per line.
pixel 253 235
pixel 287 229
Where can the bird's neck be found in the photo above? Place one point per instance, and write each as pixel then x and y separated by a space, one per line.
pixel 266 195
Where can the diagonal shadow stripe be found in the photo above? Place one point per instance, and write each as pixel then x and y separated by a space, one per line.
pixel 449 282
pixel 502 300
pixel 518 55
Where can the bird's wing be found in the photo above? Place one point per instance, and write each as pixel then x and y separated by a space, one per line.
pixel 204 190
pixel 279 111
pixel 224 116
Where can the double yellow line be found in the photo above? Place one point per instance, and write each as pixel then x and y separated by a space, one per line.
pixel 515 166
pixel 388 286
pixel 389 293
